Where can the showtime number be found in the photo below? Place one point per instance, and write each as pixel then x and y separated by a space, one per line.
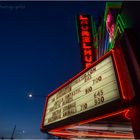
pixel 83 106
pixel 98 97
pixel 88 90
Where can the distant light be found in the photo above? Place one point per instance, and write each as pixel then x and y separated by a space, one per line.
pixel 30 95
pixel 23 131
pixel 110 39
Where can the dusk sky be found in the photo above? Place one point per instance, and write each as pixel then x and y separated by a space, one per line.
pixel 39 51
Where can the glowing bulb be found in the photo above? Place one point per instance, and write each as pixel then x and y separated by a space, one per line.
pixel 110 39
pixel 30 95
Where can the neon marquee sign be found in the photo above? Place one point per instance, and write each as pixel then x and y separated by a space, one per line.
pixel 86 40
pixel 110 25
pixel 94 92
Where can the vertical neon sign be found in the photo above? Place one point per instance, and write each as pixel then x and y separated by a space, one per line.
pixel 88 52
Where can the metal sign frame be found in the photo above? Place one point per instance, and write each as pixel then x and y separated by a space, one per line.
pixel 110 108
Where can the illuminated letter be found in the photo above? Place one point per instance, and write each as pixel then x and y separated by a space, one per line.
pixel 88 58
pixel 83 18
pixel 88 64
pixel 84 22
pixel 87 52
pixel 84 27
pixel 86 39
pixel 85 46
pixel 85 33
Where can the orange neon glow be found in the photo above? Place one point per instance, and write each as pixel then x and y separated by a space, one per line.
pixel 94 134
pixel 88 58
pixel 119 78
pixel 83 17
pixel 87 52
pixel 103 117
pixel 127 114
pixel 90 120
pixel 126 89
pixel 84 28
pixel 86 39
pixel 85 33
pixel 88 65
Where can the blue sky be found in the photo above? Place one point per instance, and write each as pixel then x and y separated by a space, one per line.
pixel 39 51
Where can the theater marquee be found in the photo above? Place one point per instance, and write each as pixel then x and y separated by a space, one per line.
pixel 85 35
pixel 89 91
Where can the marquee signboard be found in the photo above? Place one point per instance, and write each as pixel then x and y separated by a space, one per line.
pixel 92 91
pixel 85 35
pixel 88 91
